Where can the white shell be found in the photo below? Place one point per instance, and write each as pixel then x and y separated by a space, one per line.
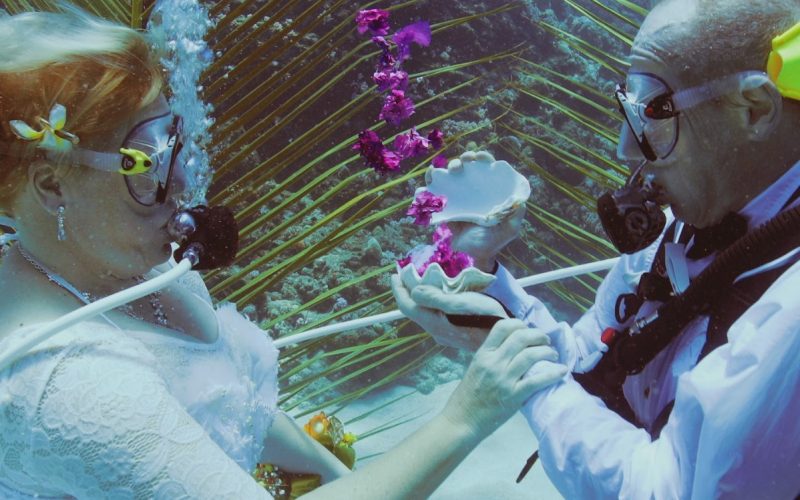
pixel 478 189
pixel 470 279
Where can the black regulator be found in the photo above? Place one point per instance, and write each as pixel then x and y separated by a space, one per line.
pixel 630 215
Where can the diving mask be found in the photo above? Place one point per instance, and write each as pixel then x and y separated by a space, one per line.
pixel 652 109
pixel 147 159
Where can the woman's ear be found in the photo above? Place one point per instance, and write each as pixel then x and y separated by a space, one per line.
pixel 761 106
pixel 45 184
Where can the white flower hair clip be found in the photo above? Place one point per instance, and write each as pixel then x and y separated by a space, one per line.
pixel 52 136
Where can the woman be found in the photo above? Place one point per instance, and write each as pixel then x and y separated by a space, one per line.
pixel 166 397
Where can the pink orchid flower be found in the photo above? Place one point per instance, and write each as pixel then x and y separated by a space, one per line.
pixel 424 206
pixel 411 144
pixel 390 79
pixel 374 20
pixel 419 33
pixel 439 161
pixel 397 108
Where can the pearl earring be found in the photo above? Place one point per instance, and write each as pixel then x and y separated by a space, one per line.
pixel 61 233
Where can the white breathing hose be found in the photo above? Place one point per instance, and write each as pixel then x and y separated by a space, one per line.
pixel 568 272
pixel 105 304
pixel 44 332
pixel 536 279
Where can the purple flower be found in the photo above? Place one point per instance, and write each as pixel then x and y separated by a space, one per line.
pixel 419 33
pixel 390 79
pixel 411 144
pixel 390 162
pixel 439 161
pixel 397 107
pixel 436 137
pixel 442 253
pixel 424 206
pixel 455 263
pixel 375 154
pixel 374 20
pixel 452 262
pixel 381 42
pixel 370 147
pixel 442 234
pixel 388 61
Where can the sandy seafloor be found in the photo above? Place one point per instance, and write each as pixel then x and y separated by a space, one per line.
pixel 488 473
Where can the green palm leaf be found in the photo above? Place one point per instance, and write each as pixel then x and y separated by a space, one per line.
pixel 287 112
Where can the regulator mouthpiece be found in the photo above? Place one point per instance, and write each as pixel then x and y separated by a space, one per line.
pixel 630 215
pixel 181 226
pixel 208 237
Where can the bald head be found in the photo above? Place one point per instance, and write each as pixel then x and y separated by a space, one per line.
pixel 726 150
pixel 706 39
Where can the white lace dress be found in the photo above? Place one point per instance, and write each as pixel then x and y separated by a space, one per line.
pixel 99 413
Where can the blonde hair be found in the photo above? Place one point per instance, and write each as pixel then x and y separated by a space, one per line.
pixel 100 71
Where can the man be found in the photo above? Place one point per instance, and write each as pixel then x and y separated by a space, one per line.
pixel 693 342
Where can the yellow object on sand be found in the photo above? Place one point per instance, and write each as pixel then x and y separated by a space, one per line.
pixel 329 432
pixel 319 428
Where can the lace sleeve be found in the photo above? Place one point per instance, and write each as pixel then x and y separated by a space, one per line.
pixel 106 427
pixel 193 282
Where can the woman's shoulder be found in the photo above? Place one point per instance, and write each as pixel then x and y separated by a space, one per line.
pixel 88 348
pixel 82 376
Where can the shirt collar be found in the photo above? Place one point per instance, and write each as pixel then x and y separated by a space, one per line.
pixel 767 204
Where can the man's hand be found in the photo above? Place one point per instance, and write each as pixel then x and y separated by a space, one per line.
pixel 427 306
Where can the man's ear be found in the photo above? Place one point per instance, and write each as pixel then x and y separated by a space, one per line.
pixel 761 106
pixel 45 183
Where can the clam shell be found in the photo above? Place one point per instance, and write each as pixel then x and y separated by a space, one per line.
pixel 470 279
pixel 478 188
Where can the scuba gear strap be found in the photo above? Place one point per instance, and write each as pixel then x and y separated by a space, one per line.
pixel 713 292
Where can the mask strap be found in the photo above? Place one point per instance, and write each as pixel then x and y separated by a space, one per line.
pixel 783 65
pixel 691 97
pixel 107 162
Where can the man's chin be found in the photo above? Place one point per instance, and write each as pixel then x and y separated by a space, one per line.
pixel 679 214
pixel 698 221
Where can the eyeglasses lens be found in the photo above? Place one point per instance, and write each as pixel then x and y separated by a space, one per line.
pixel 645 103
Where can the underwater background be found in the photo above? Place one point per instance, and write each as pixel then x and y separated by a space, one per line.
pixel 288 85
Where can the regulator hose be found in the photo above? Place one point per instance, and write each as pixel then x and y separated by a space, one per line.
pixel 766 243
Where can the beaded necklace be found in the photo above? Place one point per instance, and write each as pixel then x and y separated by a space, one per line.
pixel 159 316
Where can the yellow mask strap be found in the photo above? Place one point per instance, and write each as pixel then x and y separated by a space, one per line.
pixel 783 66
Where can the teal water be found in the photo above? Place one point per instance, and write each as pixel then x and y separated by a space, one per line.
pixel 516 88
pixel 275 94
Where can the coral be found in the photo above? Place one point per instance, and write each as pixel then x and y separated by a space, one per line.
pixel 498 92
